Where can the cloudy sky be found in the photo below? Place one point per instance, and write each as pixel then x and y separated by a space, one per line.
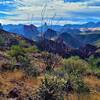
pixel 53 11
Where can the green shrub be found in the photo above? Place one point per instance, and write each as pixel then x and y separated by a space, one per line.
pixel 31 49
pixel 24 60
pixel 78 84
pixel 73 81
pixel 73 70
pixel 2 42
pixel 55 87
pixel 50 89
pixel 95 65
pixel 75 64
pixel 32 71
pixel 16 51
pixel 95 62
pixel 23 43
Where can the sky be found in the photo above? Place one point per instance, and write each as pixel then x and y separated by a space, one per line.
pixel 38 12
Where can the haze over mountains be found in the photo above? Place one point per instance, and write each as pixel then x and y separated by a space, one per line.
pixel 74 35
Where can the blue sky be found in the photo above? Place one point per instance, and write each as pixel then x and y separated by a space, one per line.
pixel 56 11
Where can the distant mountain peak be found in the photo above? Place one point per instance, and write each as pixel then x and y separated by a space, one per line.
pixel 50 33
pixel 30 26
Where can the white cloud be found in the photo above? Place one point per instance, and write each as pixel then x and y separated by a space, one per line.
pixel 26 10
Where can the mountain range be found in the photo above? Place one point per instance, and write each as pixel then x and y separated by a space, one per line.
pixel 8 39
pixel 73 35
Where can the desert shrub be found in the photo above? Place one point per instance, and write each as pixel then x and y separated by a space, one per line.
pixel 74 68
pixel 72 75
pixel 55 87
pixel 10 67
pixel 73 82
pixel 50 89
pixel 81 87
pixel 95 65
pixel 16 51
pixel 32 71
pixel 27 67
pixel 23 43
pixel 31 49
pixel 95 62
pixel 24 60
pixel 28 47
pixel 51 60
pixel 6 67
pixel 78 84
pixel 2 41
pixel 75 64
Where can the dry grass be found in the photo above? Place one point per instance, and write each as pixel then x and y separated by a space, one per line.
pixel 92 96
pixel 17 79
pixel 93 82
pixel 27 85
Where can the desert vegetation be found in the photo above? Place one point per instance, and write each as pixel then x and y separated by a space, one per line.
pixel 27 73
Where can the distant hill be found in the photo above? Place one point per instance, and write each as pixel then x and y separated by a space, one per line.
pixel 71 31
pixel 75 35
pixel 86 25
pixel 28 31
pixel 14 28
pixel 49 34
pixel 70 40
pixel 88 38
pixel 7 39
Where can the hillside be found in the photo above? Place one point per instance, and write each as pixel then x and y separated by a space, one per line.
pixel 71 40
pixel 29 31
pixel 89 38
pixel 56 71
